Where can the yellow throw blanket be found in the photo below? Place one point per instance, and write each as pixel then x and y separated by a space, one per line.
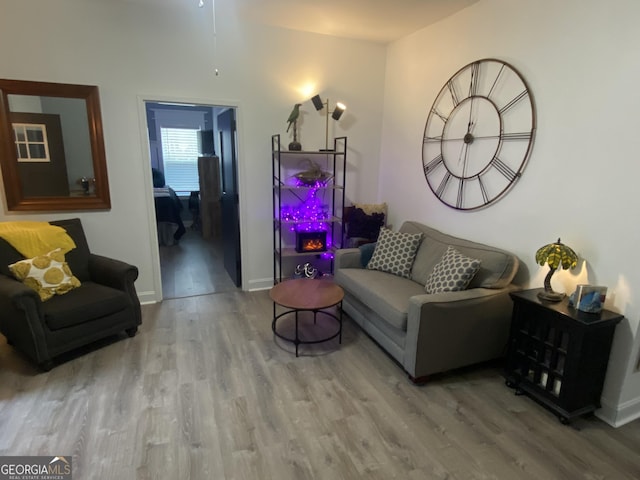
pixel 35 238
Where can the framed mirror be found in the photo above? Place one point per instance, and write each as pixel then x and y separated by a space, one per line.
pixel 52 147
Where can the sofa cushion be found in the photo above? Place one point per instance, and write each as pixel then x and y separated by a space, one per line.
pixel 48 274
pixel 386 294
pixel 366 252
pixel 88 302
pixel 497 268
pixel 452 273
pixel 395 252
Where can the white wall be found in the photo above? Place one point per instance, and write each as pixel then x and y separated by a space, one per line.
pixel 580 60
pixel 135 52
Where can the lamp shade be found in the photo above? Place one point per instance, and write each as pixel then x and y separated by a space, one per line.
pixel 339 110
pixel 317 102
pixel 555 255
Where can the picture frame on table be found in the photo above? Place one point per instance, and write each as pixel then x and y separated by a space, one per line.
pixel 589 298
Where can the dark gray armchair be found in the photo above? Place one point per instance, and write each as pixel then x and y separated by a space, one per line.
pixel 105 304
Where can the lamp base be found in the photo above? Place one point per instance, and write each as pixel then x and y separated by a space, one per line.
pixel 550 296
pixel 295 146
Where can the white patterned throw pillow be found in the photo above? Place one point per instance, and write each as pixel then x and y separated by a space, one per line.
pixel 395 252
pixel 48 274
pixel 452 273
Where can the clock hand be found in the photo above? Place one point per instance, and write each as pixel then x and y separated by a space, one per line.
pixel 471 124
pixel 464 165
pixel 463 149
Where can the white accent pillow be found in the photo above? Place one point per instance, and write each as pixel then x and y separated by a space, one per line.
pixel 48 274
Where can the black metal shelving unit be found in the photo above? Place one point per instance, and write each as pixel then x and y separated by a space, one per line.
pixel 285 164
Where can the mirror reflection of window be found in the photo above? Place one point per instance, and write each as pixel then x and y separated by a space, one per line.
pixel 31 142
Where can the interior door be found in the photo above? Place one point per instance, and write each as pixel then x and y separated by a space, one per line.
pixel 230 215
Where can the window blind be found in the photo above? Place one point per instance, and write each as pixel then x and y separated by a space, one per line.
pixel 180 158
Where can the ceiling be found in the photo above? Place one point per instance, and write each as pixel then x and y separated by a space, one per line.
pixel 375 20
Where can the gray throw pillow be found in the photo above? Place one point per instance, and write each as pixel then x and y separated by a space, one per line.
pixel 452 273
pixel 395 252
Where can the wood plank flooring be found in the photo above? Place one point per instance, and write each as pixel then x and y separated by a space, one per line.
pixel 204 392
pixel 193 267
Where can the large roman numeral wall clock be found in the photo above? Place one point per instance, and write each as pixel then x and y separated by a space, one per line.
pixel 479 134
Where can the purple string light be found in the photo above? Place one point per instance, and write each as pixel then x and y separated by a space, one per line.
pixel 310 216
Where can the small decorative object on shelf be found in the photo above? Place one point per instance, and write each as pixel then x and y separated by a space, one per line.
pixel 314 175
pixel 306 271
pixel 588 298
pixel 293 120
pixel 311 241
pixel 555 255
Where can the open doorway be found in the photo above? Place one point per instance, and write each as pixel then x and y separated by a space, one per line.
pixel 193 157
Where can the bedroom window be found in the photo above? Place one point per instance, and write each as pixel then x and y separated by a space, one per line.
pixel 180 158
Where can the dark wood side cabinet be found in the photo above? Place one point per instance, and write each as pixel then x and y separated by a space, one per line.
pixel 558 355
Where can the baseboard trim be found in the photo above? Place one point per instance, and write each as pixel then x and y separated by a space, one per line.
pixel 618 415
pixel 260 284
pixel 147 297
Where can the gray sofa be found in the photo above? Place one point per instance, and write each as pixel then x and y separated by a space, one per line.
pixel 431 333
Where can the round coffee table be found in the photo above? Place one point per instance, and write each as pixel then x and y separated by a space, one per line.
pixel 310 295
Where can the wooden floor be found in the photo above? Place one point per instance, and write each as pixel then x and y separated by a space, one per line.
pixel 204 392
pixel 193 267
